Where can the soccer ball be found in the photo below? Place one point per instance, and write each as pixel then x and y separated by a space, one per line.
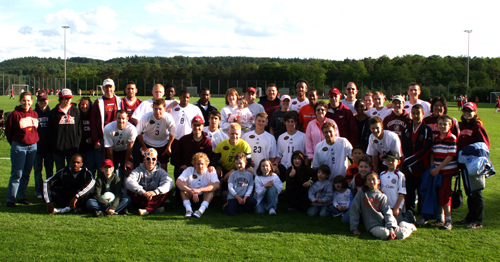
pixel 109 196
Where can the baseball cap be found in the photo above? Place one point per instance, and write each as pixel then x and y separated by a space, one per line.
pixel 283 97
pixel 197 120
pixel 391 154
pixel 150 152
pixel 334 91
pixel 66 93
pixel 251 89
pixel 471 106
pixel 108 82
pixel 107 162
pixel 42 96
pixel 398 97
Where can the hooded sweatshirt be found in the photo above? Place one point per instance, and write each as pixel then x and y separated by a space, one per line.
pixel 65 130
pixel 373 208
pixel 302 174
pixel 157 180
pixel 21 126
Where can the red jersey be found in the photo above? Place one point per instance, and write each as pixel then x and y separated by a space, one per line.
pixel 306 114
pixel 397 124
pixel 130 107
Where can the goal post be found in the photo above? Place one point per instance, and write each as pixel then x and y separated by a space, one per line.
pixel 493 97
pixel 17 89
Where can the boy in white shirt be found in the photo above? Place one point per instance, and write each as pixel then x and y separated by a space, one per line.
pixel 212 130
pixel 378 108
pixel 261 142
pixel 380 142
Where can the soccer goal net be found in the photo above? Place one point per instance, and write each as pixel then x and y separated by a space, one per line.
pixel 18 89
pixel 493 97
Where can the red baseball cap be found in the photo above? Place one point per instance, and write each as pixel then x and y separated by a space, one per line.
pixel 251 89
pixel 471 106
pixel 334 91
pixel 198 120
pixel 65 93
pixel 107 162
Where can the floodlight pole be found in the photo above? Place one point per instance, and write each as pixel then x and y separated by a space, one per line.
pixel 65 27
pixel 468 57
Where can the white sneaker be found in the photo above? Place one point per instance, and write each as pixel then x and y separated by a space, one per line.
pixel 408 225
pixel 188 213
pixel 160 210
pixel 143 212
pixel 198 213
pixel 272 212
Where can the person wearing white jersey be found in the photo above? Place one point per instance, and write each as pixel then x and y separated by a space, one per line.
pixel 262 143
pixel 255 108
pixel 350 100
pixel 212 131
pixel 378 108
pixel 333 152
pixel 119 139
pixel 414 92
pixel 157 130
pixel 380 142
pixel 289 142
pixel 183 114
pixel 147 106
pixel 301 88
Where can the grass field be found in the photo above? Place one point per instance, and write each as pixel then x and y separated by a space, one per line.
pixel 28 233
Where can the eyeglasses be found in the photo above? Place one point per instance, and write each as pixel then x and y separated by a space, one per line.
pixel 320 109
pixel 150 159
pixel 351 89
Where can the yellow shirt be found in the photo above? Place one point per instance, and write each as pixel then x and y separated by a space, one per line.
pixel 228 152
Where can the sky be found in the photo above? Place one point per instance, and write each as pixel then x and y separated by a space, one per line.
pixel 335 30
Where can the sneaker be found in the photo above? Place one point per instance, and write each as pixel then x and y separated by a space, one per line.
pixel 421 221
pixel 143 212
pixel 224 207
pixel 99 213
pixel 448 225
pixel 438 223
pixel 474 226
pixel 188 213
pixel 24 201
pixel 11 204
pixel 198 213
pixel 160 210
pixel 272 211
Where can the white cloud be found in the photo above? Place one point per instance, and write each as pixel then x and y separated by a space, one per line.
pixel 96 20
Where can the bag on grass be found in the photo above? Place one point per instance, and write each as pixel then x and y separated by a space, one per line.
pixel 457 199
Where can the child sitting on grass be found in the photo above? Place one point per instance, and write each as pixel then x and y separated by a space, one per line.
pixel 267 188
pixel 299 177
pixel 364 167
pixel 357 152
pixel 107 182
pixel 321 193
pixel 342 199
pixel 240 185
pixel 370 205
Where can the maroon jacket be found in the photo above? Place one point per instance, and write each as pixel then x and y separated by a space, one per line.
pixel 472 134
pixel 21 126
pixel 397 124
pixel 345 121
pixel 187 147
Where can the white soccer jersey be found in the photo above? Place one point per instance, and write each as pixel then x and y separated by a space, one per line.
pixel 156 132
pixel 118 139
pixel 425 105
pixel 389 142
pixel 382 112
pixel 146 107
pixel 216 137
pixel 263 145
pixel 334 156
pixel 183 117
pixel 196 180
pixel 296 105
pixel 287 144
pixel 393 183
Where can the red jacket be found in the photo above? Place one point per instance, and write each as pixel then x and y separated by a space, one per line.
pixel 346 122
pixel 21 126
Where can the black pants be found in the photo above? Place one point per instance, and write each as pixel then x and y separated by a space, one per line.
pixel 475 203
pixel 297 197
pixel 412 185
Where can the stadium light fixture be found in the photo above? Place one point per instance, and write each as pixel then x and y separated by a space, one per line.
pixel 65 27
pixel 468 57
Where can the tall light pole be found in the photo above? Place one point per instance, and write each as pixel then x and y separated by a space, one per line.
pixel 65 27
pixel 468 47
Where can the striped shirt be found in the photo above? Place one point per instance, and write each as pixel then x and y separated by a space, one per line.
pixel 441 148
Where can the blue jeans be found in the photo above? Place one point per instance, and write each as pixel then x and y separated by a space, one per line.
pixel 42 160
pixel 268 202
pixel 91 161
pixel 93 205
pixel 22 158
pixel 335 212
pixel 315 210
pixel 233 204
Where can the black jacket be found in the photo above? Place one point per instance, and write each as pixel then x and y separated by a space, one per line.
pixel 416 154
pixel 43 145
pixel 65 130
pixel 206 113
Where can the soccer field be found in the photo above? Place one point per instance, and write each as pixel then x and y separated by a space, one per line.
pixel 28 233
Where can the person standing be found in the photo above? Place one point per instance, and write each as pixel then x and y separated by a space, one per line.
pixel 270 101
pixel 352 92
pixel 414 92
pixel 43 156
pixel 21 132
pixel 204 104
pixel 130 103
pixel 301 88
pixel 343 116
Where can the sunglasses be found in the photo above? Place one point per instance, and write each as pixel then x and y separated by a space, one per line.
pixel 320 109
pixel 150 159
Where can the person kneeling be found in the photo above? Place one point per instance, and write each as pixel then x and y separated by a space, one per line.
pixel 240 185
pixel 196 181
pixel 69 188
pixel 108 196
pixel 149 185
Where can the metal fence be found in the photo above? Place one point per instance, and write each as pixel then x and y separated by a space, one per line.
pixel 216 86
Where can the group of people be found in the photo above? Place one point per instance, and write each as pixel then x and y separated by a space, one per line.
pixel 354 158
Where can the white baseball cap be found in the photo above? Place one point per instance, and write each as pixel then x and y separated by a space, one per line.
pixel 108 82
